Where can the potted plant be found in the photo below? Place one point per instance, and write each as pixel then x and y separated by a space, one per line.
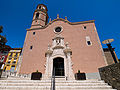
pixel 80 76
pixel 36 75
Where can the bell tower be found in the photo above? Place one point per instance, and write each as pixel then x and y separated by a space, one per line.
pixel 40 17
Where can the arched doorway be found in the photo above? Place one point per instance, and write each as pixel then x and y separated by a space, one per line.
pixel 58 66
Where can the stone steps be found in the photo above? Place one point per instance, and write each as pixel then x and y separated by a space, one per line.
pixel 50 89
pixel 57 81
pixel 56 84
pixel 57 87
pixel 25 84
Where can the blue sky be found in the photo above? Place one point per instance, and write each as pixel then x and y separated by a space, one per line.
pixel 16 17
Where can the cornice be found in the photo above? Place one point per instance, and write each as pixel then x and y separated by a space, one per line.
pixel 38 19
pixel 41 10
pixel 64 20
pixel 58 47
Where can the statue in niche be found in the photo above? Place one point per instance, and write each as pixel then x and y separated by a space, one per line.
pixel 58 41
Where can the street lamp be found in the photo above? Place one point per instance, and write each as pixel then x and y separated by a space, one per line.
pixel 108 43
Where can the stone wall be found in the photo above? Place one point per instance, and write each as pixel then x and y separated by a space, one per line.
pixel 111 75
pixel 108 56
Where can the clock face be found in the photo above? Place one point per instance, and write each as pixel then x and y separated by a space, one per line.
pixel 58 29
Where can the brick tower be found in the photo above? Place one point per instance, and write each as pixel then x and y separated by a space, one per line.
pixel 40 16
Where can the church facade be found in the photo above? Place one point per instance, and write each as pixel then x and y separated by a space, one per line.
pixel 61 47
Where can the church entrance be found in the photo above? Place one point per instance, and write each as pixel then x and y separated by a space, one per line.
pixel 58 66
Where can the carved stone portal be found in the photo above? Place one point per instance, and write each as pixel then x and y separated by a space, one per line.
pixel 58 59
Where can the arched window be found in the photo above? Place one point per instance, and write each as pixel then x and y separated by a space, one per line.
pixel 39 7
pixel 37 15
pixel 58 66
pixel 12 68
pixel 88 41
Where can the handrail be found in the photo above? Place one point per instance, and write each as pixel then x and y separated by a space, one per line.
pixel 53 80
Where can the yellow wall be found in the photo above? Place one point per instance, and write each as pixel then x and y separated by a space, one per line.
pixel 8 66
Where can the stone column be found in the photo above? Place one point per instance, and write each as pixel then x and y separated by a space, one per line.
pixel 70 70
pixel 47 66
pixel 68 53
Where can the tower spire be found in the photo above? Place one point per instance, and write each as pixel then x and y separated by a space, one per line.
pixel 40 16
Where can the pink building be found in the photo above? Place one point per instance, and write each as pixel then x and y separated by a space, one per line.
pixel 63 45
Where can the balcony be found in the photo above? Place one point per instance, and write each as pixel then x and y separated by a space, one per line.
pixel 14 62
pixel 7 63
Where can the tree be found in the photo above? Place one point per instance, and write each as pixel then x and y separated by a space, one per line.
pixel 3 39
pixel 1 29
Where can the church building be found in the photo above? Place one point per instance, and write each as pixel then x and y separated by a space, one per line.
pixel 62 47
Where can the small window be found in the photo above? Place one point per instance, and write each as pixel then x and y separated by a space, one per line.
pixel 12 68
pixel 37 15
pixel 8 62
pixel 85 27
pixel 33 33
pixel 10 58
pixel 31 47
pixel 5 52
pixel 2 59
pixel 14 62
pixel 15 58
pixel 16 55
pixel 11 54
pixel 88 42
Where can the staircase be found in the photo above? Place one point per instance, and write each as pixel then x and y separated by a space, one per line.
pixel 26 84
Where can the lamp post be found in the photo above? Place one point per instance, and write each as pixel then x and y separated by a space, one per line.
pixel 108 43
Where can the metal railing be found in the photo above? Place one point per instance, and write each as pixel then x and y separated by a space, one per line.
pixel 53 80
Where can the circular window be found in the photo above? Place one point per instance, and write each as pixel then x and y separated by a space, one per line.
pixel 58 29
